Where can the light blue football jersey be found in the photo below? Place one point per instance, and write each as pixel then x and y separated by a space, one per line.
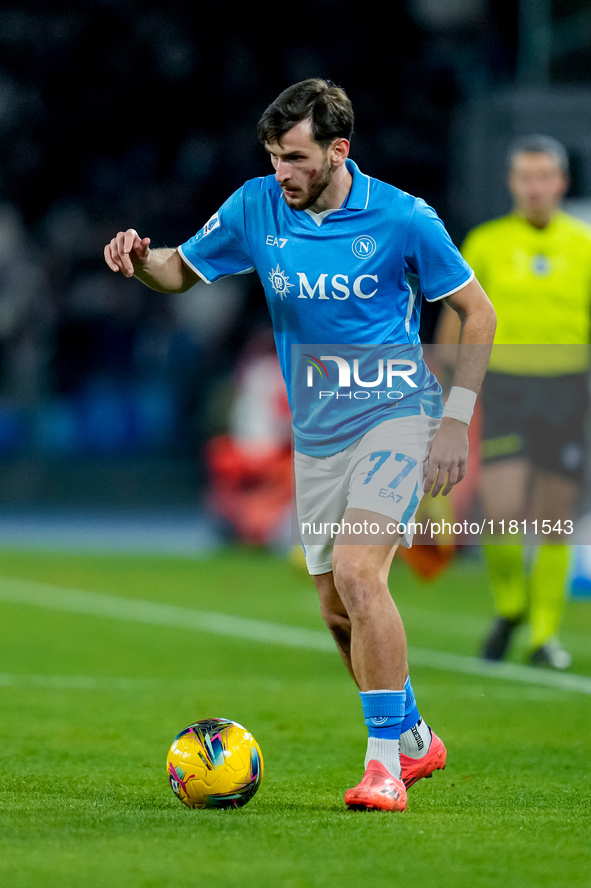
pixel 355 277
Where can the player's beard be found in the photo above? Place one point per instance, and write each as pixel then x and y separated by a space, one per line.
pixel 306 199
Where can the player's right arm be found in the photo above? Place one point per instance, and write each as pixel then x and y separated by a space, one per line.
pixel 161 269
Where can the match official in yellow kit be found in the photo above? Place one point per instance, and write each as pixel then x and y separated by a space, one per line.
pixel 535 265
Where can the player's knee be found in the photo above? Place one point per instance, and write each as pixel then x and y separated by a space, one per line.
pixel 356 584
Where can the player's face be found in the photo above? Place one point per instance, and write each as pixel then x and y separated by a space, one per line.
pixel 304 169
pixel 537 184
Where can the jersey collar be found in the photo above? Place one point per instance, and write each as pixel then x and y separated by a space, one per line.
pixel 548 229
pixel 358 197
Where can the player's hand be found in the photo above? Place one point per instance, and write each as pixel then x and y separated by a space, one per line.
pixel 127 251
pixel 448 457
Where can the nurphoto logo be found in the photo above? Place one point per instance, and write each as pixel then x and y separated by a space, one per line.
pixel 385 372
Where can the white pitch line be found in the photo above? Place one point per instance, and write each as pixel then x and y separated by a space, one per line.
pixel 447 662
pixel 155 613
pixel 159 614
pixel 77 682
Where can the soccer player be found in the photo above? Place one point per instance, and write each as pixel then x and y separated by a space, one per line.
pixel 535 264
pixel 344 258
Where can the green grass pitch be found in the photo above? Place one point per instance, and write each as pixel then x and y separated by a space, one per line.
pixel 91 701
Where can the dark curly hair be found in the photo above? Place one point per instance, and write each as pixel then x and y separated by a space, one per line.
pixel 325 105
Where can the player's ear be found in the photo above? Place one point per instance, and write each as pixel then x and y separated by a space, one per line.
pixel 339 151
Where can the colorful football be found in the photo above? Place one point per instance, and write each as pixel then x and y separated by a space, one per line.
pixel 214 763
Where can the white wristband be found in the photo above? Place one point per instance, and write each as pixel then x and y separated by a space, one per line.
pixel 460 404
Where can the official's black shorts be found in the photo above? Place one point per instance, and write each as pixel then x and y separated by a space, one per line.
pixel 541 419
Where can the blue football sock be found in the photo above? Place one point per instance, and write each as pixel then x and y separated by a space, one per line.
pixel 415 735
pixel 383 711
pixel 411 712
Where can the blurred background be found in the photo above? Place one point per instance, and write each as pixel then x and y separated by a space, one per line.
pixel 116 114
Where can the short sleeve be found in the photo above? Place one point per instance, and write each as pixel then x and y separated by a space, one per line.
pixel 221 248
pixel 432 255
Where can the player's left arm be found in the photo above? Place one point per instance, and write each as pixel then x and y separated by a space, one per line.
pixel 449 451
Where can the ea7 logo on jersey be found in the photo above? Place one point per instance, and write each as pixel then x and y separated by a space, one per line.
pixel 273 241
